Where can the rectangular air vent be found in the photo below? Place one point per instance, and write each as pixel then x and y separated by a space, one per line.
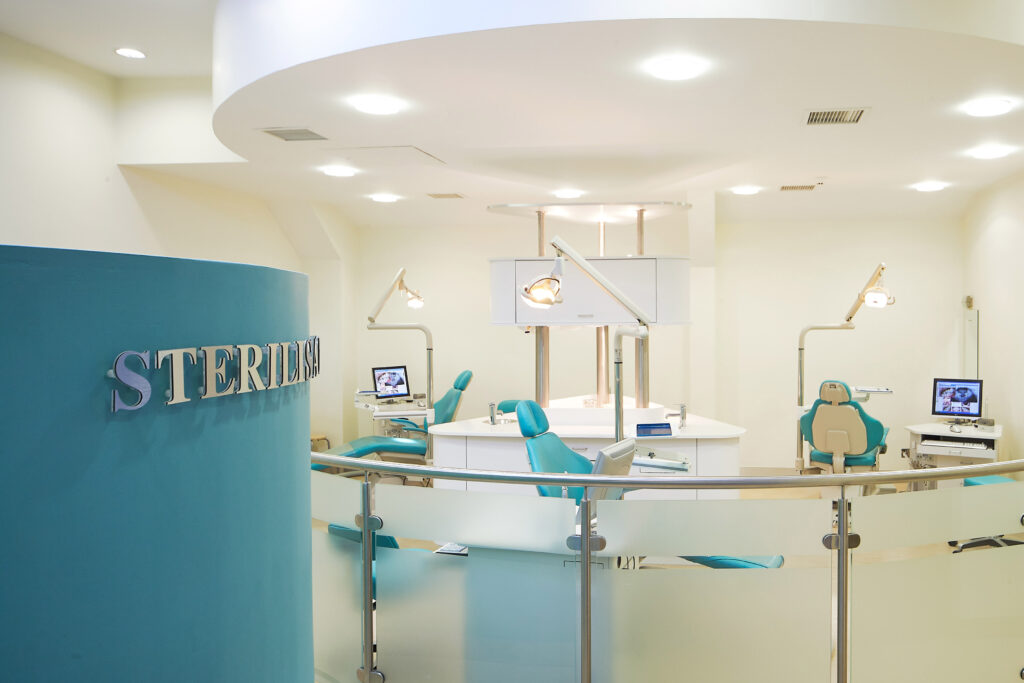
pixel 294 134
pixel 797 188
pixel 444 195
pixel 834 116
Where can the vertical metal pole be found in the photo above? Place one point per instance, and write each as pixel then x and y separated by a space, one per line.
pixel 430 377
pixel 585 588
pixel 642 346
pixel 619 429
pixel 602 335
pixel 368 639
pixel 541 340
pixel 843 598
pixel 799 462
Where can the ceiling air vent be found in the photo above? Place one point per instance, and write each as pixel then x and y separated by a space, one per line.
pixel 834 116
pixel 445 195
pixel 294 134
pixel 797 188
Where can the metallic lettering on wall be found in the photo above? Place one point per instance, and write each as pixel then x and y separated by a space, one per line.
pixel 224 370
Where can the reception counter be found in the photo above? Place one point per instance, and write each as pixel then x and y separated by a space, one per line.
pixel 707 447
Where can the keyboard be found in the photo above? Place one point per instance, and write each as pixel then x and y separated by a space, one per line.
pixel 955 444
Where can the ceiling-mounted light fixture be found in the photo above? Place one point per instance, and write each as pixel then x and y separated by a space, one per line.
pixel 745 189
pixel 991 150
pixel 130 53
pixel 930 186
pixel 988 106
pixel 384 197
pixel 544 291
pixel 379 105
pixel 338 170
pixel 675 67
pixel 568 193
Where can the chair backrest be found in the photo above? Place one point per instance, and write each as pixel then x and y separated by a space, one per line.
pixel 547 452
pixel 446 407
pixel 837 424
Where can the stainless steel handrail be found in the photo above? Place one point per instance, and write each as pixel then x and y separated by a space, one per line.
pixel 669 482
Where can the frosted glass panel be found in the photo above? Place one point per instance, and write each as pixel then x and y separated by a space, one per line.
pixel 477 519
pixel 697 624
pixel 337 610
pixel 491 617
pixel 334 499
pixel 924 517
pixel 944 618
pixel 714 527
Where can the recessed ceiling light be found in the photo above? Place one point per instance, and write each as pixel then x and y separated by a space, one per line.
pixel 338 171
pixel 676 67
pixel 130 53
pixel 380 105
pixel 988 106
pixel 568 193
pixel 991 151
pixel 930 186
pixel 384 197
pixel 746 189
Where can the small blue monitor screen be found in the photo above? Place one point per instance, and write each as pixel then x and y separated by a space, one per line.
pixel 391 381
pixel 957 398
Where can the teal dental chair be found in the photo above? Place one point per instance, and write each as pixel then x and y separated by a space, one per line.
pixel 842 436
pixel 508 406
pixel 547 453
pixel 401 449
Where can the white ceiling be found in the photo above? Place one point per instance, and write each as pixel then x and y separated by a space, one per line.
pixel 515 113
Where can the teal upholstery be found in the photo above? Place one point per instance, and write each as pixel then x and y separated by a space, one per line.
pixel 356 536
pixel 508 406
pixel 444 408
pixel 546 451
pixel 834 412
pixel 726 562
pixel 988 479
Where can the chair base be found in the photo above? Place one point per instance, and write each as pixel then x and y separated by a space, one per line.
pixel 989 541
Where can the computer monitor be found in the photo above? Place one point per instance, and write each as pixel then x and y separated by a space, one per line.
pixel 391 381
pixel 613 460
pixel 958 398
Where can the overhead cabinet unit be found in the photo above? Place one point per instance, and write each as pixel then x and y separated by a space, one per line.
pixel 658 285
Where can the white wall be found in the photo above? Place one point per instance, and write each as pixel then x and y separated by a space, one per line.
pixel 995 242
pixel 776 278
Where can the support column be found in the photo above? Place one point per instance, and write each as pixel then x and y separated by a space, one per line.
pixel 602 336
pixel 542 346
pixel 642 378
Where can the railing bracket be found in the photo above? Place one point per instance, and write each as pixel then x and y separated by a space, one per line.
pixel 374 522
pixel 374 677
pixel 831 541
pixel 596 542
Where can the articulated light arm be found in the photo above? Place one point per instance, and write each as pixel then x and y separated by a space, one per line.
pixel 398 283
pixel 872 283
pixel 600 280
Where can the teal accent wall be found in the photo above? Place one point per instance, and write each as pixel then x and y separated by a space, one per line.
pixel 167 544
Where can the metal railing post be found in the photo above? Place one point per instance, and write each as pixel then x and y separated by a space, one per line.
pixel 369 524
pixel 585 588
pixel 843 592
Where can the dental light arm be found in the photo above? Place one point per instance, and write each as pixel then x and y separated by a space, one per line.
pixel 398 283
pixel 873 283
pixel 600 280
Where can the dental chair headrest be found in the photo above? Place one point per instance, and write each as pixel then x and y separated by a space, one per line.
pixel 531 417
pixel 834 392
pixel 462 381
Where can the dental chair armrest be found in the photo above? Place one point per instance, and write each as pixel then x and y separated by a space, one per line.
pixel 882 446
pixel 410 425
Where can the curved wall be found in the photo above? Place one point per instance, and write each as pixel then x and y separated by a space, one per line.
pixel 168 543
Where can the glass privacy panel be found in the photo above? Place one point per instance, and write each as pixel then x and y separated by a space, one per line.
pixel 494 616
pixel 948 617
pixel 477 519
pixel 334 499
pixel 337 610
pixel 714 527
pixel 701 624
pixel 922 517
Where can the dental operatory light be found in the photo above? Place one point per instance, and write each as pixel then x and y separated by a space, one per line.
pixel 568 193
pixel 745 189
pixel 988 106
pixel 338 171
pixel 991 150
pixel 378 105
pixel 384 197
pixel 545 291
pixel 130 53
pixel 675 67
pixel 412 298
pixel 930 186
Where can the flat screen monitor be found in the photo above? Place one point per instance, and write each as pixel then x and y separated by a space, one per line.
pixel 614 460
pixel 391 381
pixel 957 398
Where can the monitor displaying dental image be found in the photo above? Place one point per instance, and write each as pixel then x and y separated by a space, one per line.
pixel 957 398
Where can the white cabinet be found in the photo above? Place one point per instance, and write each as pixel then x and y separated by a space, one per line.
pixel 659 286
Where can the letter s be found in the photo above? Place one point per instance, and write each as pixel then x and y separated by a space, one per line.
pixel 131 379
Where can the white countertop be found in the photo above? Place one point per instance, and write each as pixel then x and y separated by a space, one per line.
pixel 697 427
